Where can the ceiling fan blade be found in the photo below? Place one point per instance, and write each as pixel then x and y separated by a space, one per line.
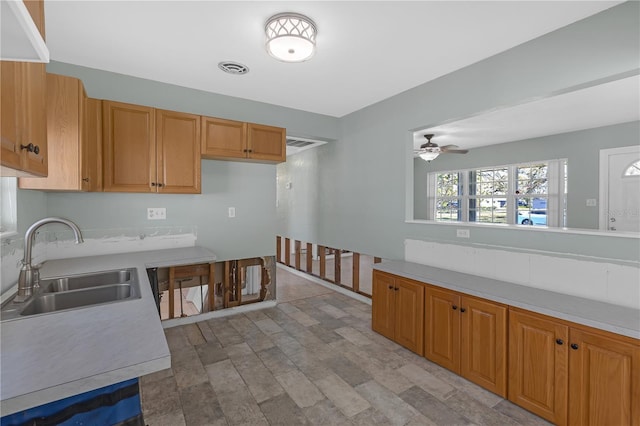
pixel 449 147
pixel 454 151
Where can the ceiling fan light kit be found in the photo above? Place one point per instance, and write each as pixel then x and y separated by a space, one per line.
pixel 430 151
pixel 291 37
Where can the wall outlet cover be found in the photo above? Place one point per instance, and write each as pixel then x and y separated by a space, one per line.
pixel 463 233
pixel 156 213
pixel 232 212
pixel 591 202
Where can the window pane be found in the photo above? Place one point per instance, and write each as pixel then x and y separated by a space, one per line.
pixel 448 210
pixel 532 211
pixel 447 184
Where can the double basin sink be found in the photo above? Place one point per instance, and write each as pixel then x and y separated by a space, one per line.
pixel 77 291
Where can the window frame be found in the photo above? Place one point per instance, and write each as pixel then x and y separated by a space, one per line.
pixel 556 194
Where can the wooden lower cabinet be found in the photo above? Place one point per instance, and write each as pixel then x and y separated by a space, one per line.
pixel 468 336
pixel 604 379
pixel 572 374
pixel 398 310
pixel 538 365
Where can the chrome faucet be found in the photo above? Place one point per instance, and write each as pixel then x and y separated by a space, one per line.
pixel 30 275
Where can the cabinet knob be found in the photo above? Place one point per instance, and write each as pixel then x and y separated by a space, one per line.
pixel 160 185
pixel 390 287
pixel 153 184
pixel 574 346
pixel 454 307
pixel 396 289
pixel 85 179
pixel 559 341
pixel 463 310
pixel 31 148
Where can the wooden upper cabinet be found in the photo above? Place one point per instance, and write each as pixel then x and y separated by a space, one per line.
pixel 92 145
pixel 228 139
pixel 538 365
pixel 604 382
pixel 129 147
pixel 149 150
pixel 266 143
pixel 223 138
pixel 73 138
pixel 178 152
pixel 23 135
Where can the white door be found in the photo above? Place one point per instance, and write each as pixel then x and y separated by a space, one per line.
pixel 620 189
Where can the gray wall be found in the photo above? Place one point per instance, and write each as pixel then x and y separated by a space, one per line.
pixel 581 149
pixel 362 179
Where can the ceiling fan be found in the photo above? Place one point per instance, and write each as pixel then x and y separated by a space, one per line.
pixel 429 151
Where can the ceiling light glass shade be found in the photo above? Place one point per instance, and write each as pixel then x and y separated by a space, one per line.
pixel 428 156
pixel 291 37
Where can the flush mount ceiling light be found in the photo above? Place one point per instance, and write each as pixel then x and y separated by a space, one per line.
pixel 291 37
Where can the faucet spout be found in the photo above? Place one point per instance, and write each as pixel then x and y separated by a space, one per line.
pixel 29 275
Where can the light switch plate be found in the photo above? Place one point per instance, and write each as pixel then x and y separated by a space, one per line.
pixel 232 212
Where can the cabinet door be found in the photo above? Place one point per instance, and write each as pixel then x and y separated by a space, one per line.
pixel 483 349
pixel 538 365
pixel 383 305
pixel 92 145
pixel 605 380
pixel 35 117
pixel 442 328
pixel 10 122
pixel 178 149
pixel 266 143
pixel 129 148
pixel 223 138
pixel 63 106
pixel 409 315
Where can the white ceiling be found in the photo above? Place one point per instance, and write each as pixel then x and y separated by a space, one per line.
pixel 367 50
pixel 600 105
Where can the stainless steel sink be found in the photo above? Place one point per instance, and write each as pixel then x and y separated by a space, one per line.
pixel 77 291
pixel 53 302
pixel 77 282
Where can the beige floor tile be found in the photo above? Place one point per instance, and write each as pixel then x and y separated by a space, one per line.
pixel 342 395
pixel 300 389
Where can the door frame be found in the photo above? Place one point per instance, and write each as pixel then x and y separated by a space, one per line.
pixel 603 217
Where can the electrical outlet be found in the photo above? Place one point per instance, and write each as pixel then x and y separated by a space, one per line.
pixel 463 233
pixel 232 212
pixel 156 213
pixel 591 202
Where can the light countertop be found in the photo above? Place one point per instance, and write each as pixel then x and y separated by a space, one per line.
pixel 48 357
pixel 605 316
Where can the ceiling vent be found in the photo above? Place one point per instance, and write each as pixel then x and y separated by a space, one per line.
pixel 296 145
pixel 233 68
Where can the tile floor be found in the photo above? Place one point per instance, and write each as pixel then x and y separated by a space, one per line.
pixel 312 360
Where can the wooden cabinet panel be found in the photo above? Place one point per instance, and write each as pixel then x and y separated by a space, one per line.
pixel 228 139
pixel 383 305
pixel 409 315
pixel 178 152
pixel 397 310
pixel 604 379
pixel 484 344
pixel 64 102
pixel 129 148
pixel 223 138
pixel 10 74
pixel 92 145
pixel 442 328
pixel 23 113
pixel 538 365
pixel 266 143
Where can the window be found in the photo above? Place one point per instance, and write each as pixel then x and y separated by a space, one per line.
pixel 633 170
pixel 523 194
pixel 8 212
